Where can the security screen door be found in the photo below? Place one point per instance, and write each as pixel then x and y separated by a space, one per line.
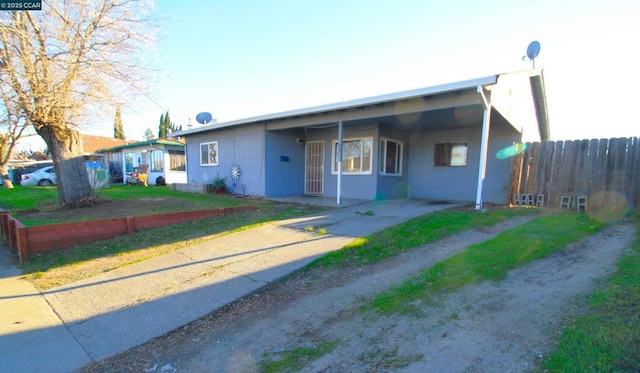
pixel 314 168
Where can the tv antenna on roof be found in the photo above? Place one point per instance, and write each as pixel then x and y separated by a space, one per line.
pixel 532 52
pixel 204 117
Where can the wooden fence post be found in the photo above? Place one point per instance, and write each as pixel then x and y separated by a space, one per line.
pixel 23 245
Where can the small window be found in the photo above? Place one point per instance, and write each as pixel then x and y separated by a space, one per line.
pixel 450 155
pixel 390 157
pixel 356 156
pixel 157 161
pixel 209 154
pixel 177 160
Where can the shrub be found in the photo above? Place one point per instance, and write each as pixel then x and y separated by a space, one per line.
pixel 219 185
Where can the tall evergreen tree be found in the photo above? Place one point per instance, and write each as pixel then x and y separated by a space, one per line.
pixel 165 127
pixel 167 124
pixel 162 130
pixel 118 131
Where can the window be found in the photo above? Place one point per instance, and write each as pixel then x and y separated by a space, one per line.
pixel 453 155
pixel 390 157
pixel 177 160
pixel 157 161
pixel 128 161
pixel 209 154
pixel 356 156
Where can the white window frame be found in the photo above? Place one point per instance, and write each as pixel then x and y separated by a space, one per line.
pixel 382 162
pixel 362 140
pixel 211 145
pixel 156 156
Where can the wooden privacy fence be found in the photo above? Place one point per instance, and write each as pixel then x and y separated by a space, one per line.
pixel 605 171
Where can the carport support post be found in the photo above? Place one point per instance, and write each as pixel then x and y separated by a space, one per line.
pixel 339 156
pixel 486 122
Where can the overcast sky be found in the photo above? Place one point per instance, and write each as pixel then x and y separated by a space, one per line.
pixel 238 59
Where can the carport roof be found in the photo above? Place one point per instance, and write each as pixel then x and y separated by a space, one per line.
pixel 457 94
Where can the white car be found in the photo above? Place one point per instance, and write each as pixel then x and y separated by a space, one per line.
pixel 43 177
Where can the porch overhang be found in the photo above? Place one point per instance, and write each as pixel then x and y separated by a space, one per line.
pixel 393 113
pixel 391 108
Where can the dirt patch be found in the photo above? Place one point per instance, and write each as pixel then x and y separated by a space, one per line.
pixel 118 208
pixel 492 326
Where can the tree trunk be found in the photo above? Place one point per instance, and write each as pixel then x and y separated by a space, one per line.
pixel 4 173
pixel 74 188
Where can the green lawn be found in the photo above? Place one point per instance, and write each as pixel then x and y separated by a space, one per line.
pixel 46 198
pixel 28 198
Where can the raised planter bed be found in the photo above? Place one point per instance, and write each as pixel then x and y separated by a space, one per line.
pixel 45 238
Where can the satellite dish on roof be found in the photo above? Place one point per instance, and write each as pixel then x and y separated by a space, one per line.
pixel 204 117
pixel 532 52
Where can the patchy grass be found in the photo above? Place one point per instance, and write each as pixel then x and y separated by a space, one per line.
pixel 489 260
pixel 607 337
pixel 65 266
pixel 39 206
pixel 413 233
pixel 296 359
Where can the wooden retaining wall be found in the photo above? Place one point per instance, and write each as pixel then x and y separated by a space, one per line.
pixel 45 238
pixel 601 169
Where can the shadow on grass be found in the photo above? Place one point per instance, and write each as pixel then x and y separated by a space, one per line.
pixel 141 245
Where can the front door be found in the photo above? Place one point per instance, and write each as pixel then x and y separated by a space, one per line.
pixel 314 168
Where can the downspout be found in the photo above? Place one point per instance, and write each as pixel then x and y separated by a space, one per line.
pixel 484 145
pixel 339 155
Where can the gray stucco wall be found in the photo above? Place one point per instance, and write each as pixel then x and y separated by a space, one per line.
pixel 459 183
pixel 272 163
pixel 244 146
pixel 284 163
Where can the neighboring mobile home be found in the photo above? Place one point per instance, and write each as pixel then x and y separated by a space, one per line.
pixel 163 157
pixel 437 142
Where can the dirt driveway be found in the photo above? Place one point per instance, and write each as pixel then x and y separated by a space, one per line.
pixel 505 326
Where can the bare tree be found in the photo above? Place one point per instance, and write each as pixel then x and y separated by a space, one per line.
pixel 67 62
pixel 12 126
